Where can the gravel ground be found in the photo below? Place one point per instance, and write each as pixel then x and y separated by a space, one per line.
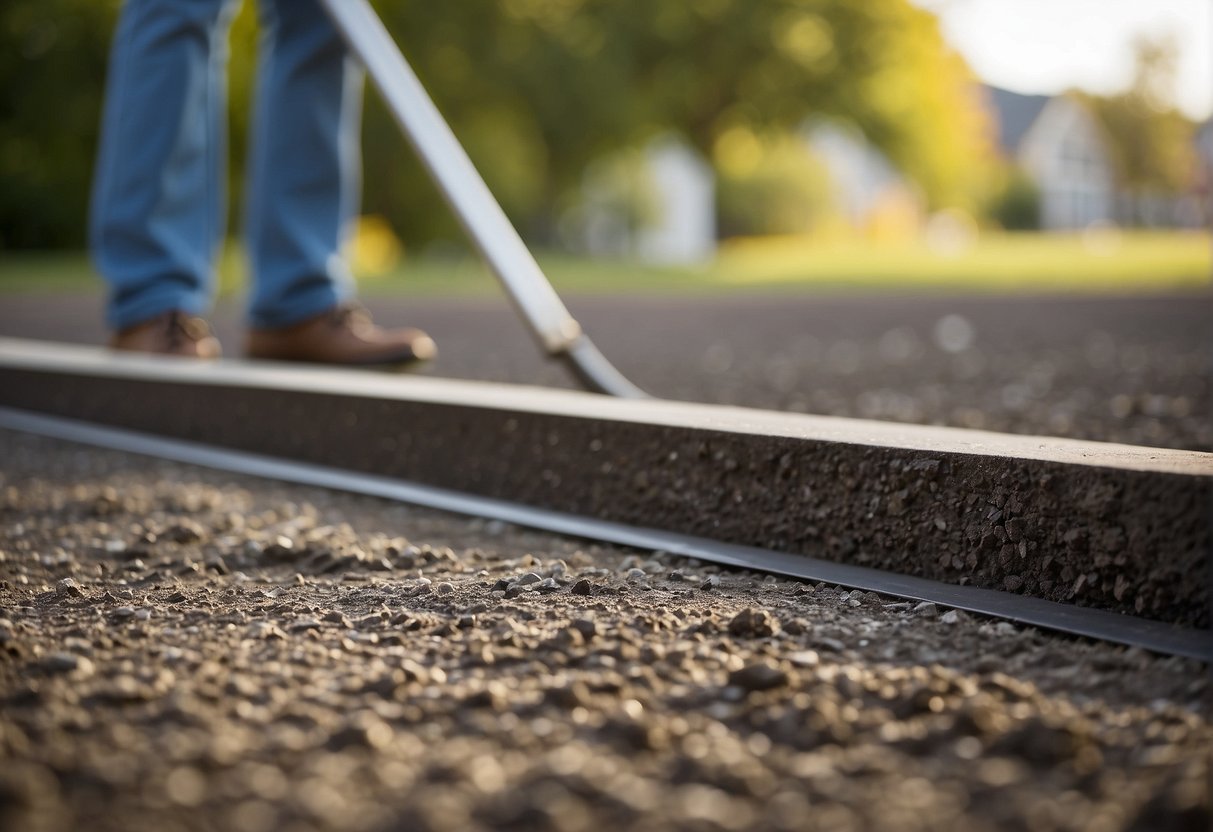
pixel 1117 369
pixel 183 649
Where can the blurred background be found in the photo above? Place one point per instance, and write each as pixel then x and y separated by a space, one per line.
pixel 748 167
pixel 782 140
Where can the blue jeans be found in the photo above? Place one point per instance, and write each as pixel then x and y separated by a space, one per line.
pixel 158 206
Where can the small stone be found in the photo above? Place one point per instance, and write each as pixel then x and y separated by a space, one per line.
pixel 184 531
pixel 301 624
pixel 832 644
pixel 143 614
pixel 583 587
pixel 266 630
pixel 69 588
pixel 122 613
pixel 492 696
pixel 710 582
pixel 758 676
pixel 548 585
pixel 636 574
pixel 444 588
pixel 185 786
pixel 528 579
pixel 751 623
pixel 68 664
pixel 336 617
pixel 568 696
pixel 796 627
pixel 588 627
pixel 925 608
pixel 1118 590
pixel 805 658
pixel 283 548
pixel 952 617
pixel 515 590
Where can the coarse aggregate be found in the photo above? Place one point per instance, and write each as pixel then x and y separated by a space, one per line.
pixel 183 649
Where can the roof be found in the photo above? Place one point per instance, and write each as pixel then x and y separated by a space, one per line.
pixel 1015 114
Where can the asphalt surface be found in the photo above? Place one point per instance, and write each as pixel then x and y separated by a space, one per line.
pixel 1123 369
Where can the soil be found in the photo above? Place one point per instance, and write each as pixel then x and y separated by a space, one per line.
pixel 183 649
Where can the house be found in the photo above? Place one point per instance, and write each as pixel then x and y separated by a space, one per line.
pixel 683 196
pixel 1202 185
pixel 868 190
pixel 1057 142
pixel 657 205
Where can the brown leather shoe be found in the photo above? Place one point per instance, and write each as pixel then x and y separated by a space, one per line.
pixel 173 333
pixel 342 335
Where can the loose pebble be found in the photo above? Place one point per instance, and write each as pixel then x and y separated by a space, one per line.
pixel 508 679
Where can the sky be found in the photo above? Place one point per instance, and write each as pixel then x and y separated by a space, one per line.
pixel 1047 46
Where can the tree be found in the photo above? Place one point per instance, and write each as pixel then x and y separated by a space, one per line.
pixel 52 69
pixel 770 186
pixel 1015 205
pixel 537 90
pixel 1149 138
pixel 585 77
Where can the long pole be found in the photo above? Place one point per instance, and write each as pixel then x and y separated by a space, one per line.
pixel 469 197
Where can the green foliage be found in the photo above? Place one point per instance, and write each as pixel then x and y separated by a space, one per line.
pixel 771 186
pixel 591 76
pixel 537 90
pixel 1016 204
pixel 52 67
pixel 1150 140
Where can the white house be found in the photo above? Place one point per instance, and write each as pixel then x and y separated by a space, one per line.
pixel 659 208
pixel 1202 185
pixel 683 194
pixel 1057 142
pixel 860 175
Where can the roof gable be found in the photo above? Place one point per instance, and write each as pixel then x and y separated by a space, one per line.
pixel 1015 114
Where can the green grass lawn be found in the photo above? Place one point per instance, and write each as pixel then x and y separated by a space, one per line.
pixel 1128 262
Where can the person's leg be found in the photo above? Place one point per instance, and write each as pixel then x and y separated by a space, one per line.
pixel 305 165
pixel 157 210
pixel 304 181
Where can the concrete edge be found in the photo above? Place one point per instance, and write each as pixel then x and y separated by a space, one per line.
pixel 1124 540
pixel 102 363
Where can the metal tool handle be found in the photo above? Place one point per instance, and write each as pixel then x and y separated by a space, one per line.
pixel 454 173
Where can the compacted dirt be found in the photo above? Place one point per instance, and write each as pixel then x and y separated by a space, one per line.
pixel 184 649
